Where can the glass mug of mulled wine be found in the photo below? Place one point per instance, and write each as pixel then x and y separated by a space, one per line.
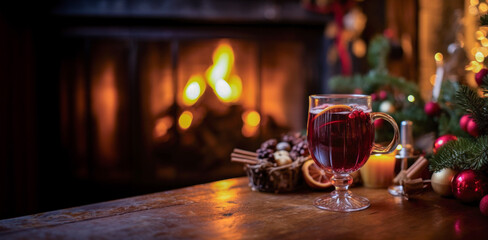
pixel 340 134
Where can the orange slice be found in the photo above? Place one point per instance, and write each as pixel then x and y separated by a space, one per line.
pixel 334 108
pixel 315 176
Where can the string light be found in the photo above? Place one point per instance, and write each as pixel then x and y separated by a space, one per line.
pixel 411 98
pixel 479 57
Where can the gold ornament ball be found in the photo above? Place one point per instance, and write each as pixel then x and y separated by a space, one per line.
pixel 387 106
pixel 441 181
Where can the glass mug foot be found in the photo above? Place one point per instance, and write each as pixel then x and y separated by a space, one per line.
pixel 396 190
pixel 346 202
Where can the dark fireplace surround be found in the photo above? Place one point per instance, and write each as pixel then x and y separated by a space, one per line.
pixel 119 70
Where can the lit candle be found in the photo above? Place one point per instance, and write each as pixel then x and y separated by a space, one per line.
pixel 378 172
pixel 439 76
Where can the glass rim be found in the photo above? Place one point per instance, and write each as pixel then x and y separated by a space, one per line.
pixel 357 96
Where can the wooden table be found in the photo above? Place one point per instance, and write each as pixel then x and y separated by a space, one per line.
pixel 228 209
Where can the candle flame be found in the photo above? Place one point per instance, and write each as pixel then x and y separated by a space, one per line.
pixel 438 57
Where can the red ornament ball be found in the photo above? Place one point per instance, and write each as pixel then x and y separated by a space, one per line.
pixel 378 123
pixel 374 96
pixel 383 95
pixel 432 109
pixel 472 128
pixel 463 122
pixel 480 75
pixel 469 186
pixel 484 205
pixel 443 140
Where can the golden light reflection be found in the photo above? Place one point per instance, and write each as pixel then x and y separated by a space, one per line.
pixel 105 106
pixel 399 147
pixel 225 199
pixel 185 119
pixel 162 126
pixel 194 89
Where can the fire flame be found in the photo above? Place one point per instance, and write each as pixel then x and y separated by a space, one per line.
pixel 251 120
pixel 162 126
pixel 226 85
pixel 185 119
pixel 194 89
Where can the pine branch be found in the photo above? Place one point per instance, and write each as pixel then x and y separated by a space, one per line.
pixel 484 20
pixel 465 153
pixel 484 84
pixel 468 99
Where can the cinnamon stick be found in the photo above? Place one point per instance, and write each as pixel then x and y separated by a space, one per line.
pixel 244 152
pixel 243 156
pixel 416 169
pixel 244 160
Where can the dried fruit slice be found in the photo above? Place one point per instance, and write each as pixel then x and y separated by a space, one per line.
pixel 314 176
pixel 334 108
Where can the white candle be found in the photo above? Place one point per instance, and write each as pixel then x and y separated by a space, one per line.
pixel 439 76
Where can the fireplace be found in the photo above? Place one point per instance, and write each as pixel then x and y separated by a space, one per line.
pixel 157 102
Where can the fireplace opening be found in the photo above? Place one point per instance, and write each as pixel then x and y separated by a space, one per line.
pixel 166 111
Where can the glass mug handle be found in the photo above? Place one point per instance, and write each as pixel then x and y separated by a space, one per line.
pixel 392 145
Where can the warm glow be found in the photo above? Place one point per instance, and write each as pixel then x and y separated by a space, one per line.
pixel 223 61
pixel 474 2
pixel 185 120
pixel 251 118
pixel 483 7
pixel 105 106
pixel 235 83
pixel 399 147
pixel 411 98
pixel 432 79
pixel 249 131
pixel 226 86
pixel 359 48
pixel 479 34
pixel 162 126
pixel 438 57
pixel 473 10
pixel 479 57
pixel 193 90
pixel 223 90
pixel 484 42
pixel 476 67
